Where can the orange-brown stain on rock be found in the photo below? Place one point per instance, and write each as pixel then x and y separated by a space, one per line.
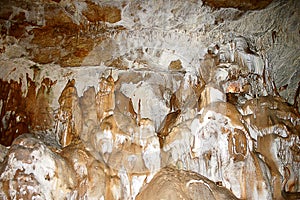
pixel 18 26
pixel 174 103
pixel 69 124
pixel 241 4
pixel 47 36
pixel 81 52
pixel 175 65
pixel 105 98
pixel 13 116
pixel 55 15
pixel 43 117
pixel 5 187
pixel 95 13
pixel 19 113
pixel 117 63
pixel 46 55
pixel 237 145
pixel 5 11
pixel 50 33
pixel 295 149
pixel 76 49
pixel 50 38
pixel 167 125
pixel 37 105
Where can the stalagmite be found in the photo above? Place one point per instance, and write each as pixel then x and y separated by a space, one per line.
pixel 69 122
pixel 105 97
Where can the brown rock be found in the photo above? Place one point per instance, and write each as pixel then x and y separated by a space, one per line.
pixel 242 4
pixel 167 125
pixel 48 36
pixel 175 184
pixel 23 113
pixel 51 38
pixel 55 16
pixel 175 65
pixel 5 11
pixel 14 120
pixel 102 13
pixel 3 29
pixel 18 29
pixel 19 17
pixel 76 50
pixel 237 145
pixel 69 124
pixel 117 63
pixel 41 118
pixel 105 98
pixel 46 55
pixel 174 103
pixel 70 61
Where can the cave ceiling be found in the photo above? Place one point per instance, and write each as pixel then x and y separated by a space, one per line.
pixel 121 34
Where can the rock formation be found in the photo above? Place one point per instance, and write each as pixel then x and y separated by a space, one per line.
pixel 149 99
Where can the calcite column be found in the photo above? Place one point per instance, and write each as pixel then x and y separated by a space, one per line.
pixel 69 122
pixel 105 98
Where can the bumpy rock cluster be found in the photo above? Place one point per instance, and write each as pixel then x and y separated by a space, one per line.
pixel 149 100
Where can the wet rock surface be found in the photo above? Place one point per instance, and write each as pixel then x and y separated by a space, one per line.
pixel 144 100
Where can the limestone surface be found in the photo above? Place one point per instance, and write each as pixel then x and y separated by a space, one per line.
pixel 149 99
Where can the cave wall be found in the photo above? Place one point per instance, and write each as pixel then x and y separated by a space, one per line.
pixel 111 99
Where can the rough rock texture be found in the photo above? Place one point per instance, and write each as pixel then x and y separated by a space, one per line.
pixel 134 34
pixel 19 112
pixel 60 32
pixel 33 171
pixel 149 99
pixel 242 4
pixel 178 184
